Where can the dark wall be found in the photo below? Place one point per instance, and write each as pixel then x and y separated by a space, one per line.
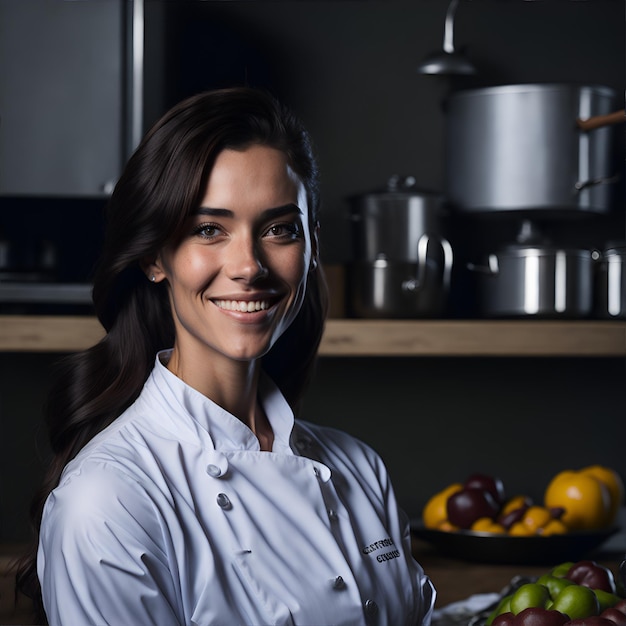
pixel 435 421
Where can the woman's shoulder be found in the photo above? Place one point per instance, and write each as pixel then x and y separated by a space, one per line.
pixel 339 445
pixel 121 459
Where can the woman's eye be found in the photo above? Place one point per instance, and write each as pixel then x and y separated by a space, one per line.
pixel 208 231
pixel 289 230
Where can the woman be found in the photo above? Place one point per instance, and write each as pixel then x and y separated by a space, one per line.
pixel 182 489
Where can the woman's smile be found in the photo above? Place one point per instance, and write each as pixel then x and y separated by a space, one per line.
pixel 242 306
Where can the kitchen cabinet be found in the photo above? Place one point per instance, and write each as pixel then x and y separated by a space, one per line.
pixel 371 338
pixel 63 96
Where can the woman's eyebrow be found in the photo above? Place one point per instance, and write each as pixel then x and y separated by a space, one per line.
pixel 205 210
pixel 270 213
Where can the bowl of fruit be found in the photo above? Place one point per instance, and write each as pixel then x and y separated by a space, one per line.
pixel 475 520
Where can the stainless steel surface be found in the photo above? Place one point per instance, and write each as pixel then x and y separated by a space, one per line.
pixel 518 148
pixel 137 73
pixel 449 61
pixel 536 281
pixel 391 222
pixel 402 263
pixel 62 105
pixel 611 283
pixel 384 289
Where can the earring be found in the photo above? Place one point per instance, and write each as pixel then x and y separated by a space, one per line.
pixel 153 278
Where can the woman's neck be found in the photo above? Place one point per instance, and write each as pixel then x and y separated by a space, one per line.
pixel 233 385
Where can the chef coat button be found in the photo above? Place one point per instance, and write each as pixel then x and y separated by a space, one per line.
pixel 322 473
pixel 338 583
pixel 223 501
pixel 213 470
pixel 371 608
pixel 216 464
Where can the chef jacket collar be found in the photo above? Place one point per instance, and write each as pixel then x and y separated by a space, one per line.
pixel 226 431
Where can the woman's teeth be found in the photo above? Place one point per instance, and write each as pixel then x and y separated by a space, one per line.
pixel 242 306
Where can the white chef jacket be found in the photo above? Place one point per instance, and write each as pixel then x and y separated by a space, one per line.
pixel 173 515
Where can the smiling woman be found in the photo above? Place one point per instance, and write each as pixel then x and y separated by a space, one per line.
pixel 183 488
pixel 238 276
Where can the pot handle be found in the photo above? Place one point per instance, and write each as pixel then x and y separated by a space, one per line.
pixel 597 121
pixel 415 284
pixel 491 269
pixel 583 184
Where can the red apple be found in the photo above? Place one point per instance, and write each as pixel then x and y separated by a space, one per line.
pixel 538 616
pixel 504 619
pixel 593 575
pixel 593 620
pixel 620 606
pixel 466 506
pixel 492 484
pixel 615 615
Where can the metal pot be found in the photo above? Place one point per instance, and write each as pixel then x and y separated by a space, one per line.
pixel 396 289
pixel 611 282
pixel 402 263
pixel 519 147
pixel 536 280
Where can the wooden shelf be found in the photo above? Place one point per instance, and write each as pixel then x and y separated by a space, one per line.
pixel 347 337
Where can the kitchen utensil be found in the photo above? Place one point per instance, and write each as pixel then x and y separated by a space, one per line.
pixel 402 263
pixel 532 277
pixel 449 61
pixel 518 148
pixel 611 282
pixel 387 289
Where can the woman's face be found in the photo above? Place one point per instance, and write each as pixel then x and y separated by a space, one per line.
pixel 237 277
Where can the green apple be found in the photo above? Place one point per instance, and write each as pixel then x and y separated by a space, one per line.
pixel 530 594
pixel 554 584
pixel 606 599
pixel 577 601
pixel 560 570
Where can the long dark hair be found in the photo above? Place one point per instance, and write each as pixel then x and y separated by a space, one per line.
pixel 162 184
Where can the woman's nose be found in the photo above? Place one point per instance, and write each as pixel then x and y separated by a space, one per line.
pixel 246 262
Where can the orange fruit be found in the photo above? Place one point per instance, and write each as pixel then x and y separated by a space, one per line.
pixel 434 511
pixel 586 499
pixel 487 525
pixel 519 529
pixel 553 527
pixel 536 517
pixel 614 484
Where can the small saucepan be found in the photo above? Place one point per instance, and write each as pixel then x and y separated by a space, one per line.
pixel 536 280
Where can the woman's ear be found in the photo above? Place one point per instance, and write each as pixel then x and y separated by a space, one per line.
pixel 152 268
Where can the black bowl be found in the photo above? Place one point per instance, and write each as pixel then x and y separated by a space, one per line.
pixel 484 547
